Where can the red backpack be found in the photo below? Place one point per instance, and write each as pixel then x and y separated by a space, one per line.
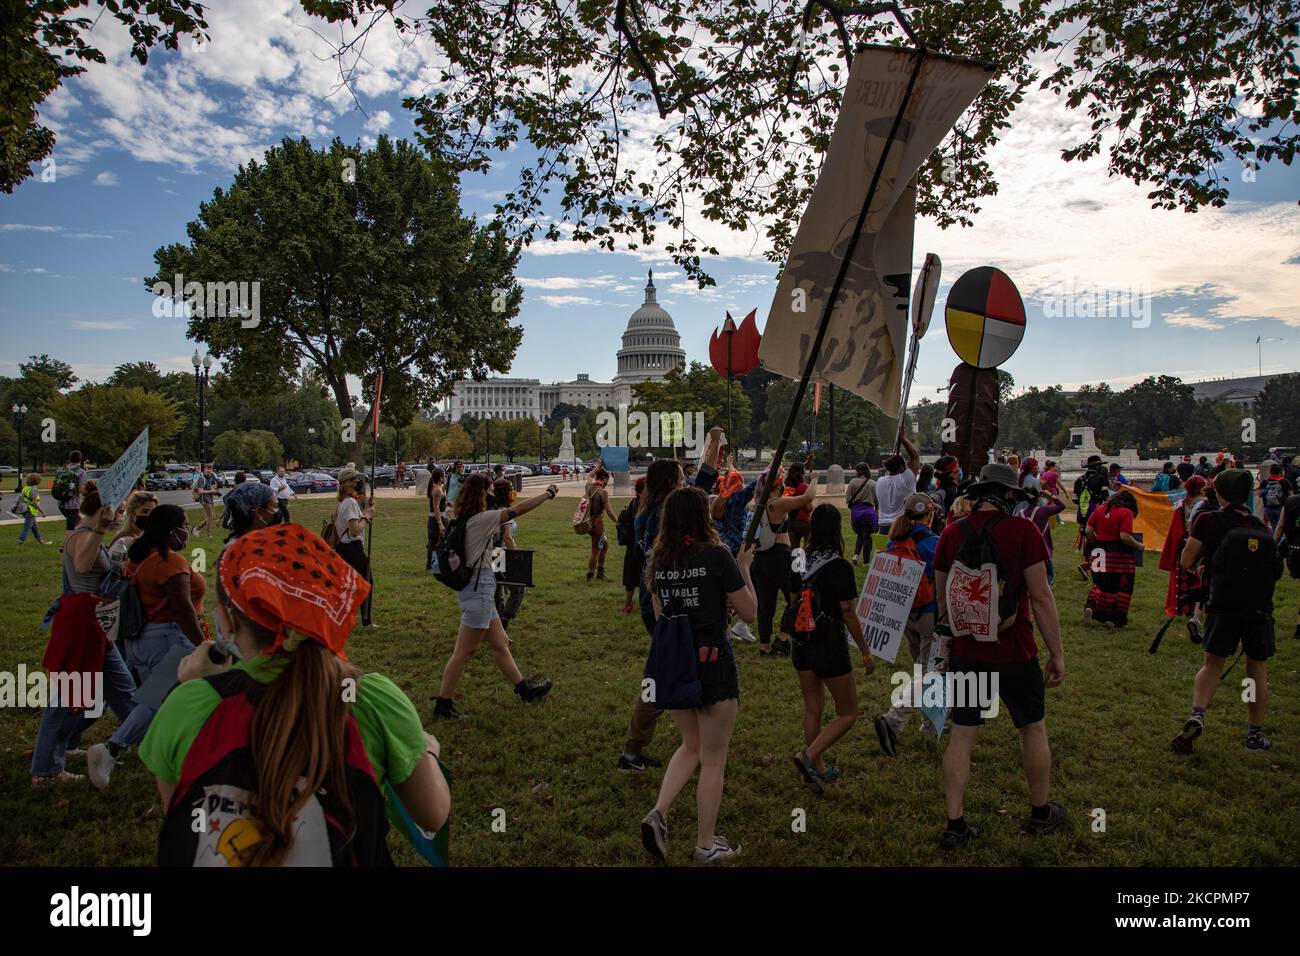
pixel 211 822
pixel 906 548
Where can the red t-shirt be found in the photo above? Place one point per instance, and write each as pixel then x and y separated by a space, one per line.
pixel 1020 546
pixel 803 514
pixel 1110 526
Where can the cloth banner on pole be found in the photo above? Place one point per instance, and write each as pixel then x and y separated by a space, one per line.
pixel 867 331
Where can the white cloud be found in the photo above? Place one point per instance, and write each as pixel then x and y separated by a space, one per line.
pixel 558 301
pixel 567 282
pixel 379 121
pixel 24 227
pixel 115 325
pixel 1186 320
pixel 106 178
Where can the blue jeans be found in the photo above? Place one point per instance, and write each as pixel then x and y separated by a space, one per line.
pixel 143 654
pixel 29 527
pixel 1273 514
pixel 61 727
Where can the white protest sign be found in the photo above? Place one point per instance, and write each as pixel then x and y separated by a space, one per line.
pixel 117 482
pixel 886 601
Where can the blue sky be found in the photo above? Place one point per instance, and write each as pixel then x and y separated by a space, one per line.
pixel 140 148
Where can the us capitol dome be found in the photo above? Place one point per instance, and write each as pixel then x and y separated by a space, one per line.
pixel 651 346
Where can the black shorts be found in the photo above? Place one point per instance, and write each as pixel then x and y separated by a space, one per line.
pixel 1019 686
pixel 1223 632
pixel 719 679
pixel 826 655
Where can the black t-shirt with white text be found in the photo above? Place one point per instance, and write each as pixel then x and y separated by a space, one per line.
pixel 699 589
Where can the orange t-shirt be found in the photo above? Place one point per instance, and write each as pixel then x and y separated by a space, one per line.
pixel 151 577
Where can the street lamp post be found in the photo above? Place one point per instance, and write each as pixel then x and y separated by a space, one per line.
pixel 200 385
pixel 20 414
pixel 311 444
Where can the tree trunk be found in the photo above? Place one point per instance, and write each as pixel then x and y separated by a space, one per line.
pixel 344 399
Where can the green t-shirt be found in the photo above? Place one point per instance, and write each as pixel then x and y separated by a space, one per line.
pixel 389 725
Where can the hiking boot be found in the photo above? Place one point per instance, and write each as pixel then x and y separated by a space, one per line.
pixel 56 779
pixel 99 765
pixel 888 739
pixel 654 835
pixel 1194 630
pixel 952 839
pixel 720 851
pixel 1257 742
pixel 446 711
pixel 637 763
pixel 740 632
pixel 533 690
pixel 1057 817
pixel 1193 727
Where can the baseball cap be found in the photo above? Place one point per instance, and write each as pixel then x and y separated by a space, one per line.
pixel 917 504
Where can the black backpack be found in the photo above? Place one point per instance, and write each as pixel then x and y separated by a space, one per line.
pixel 626 526
pixel 1243 568
pixel 971 580
pixel 449 563
pixel 218 790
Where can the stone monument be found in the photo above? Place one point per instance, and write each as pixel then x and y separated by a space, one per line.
pixel 566 453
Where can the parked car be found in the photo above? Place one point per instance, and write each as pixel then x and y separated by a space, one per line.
pixel 8 471
pixel 94 474
pixel 160 481
pixel 385 476
pixel 264 475
pixel 312 482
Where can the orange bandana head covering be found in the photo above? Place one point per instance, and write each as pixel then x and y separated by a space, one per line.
pixel 729 484
pixel 286 578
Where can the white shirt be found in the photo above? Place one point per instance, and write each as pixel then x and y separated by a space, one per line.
pixel 349 509
pixel 891 492
pixel 281 487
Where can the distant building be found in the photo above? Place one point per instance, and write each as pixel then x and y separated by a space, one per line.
pixel 1238 391
pixel 651 349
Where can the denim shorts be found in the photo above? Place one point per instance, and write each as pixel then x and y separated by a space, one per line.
pixel 478 606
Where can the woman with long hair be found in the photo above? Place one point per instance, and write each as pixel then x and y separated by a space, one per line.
pixel 351 515
pixel 171 596
pixel 249 506
pixel 826 609
pixel 138 507
pixel 772 560
pixel 434 526
pixel 860 498
pixel 1111 550
pixel 308 741
pixel 478 610
pixel 78 644
pixel 692 573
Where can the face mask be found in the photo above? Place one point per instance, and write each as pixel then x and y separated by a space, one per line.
pixel 184 536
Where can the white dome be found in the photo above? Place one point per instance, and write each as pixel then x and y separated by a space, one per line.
pixel 651 345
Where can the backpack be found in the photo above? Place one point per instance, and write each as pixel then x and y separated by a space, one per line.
pixel 626 528
pixel 808 615
pixel 64 486
pixel 907 549
pixel 121 609
pixel 673 663
pixel 1274 493
pixel 582 516
pixel 1243 569
pixel 217 788
pixel 329 532
pixel 449 562
pixel 977 583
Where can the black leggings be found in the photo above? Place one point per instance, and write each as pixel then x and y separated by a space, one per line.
pixel 770 573
pixel 354 553
pixel 864 545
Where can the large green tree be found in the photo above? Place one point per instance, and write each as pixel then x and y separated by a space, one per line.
pixel 103 419
pixel 694 388
pixel 365 264
pixel 1177 95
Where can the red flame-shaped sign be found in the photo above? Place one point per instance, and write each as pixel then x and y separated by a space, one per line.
pixel 745 341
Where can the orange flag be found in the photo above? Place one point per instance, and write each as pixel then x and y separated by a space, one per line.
pixel 1155 513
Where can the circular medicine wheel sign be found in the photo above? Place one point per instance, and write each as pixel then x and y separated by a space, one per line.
pixel 985 317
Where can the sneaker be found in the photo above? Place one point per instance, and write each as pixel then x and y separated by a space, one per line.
pixel 952 840
pixel 533 690
pixel 1192 728
pixel 99 765
pixel 740 631
pixel 600 573
pixel 885 734
pixel 589 577
pixel 637 763
pixel 654 835
pixel 1194 630
pixel 446 712
pixel 56 779
pixel 1087 615
pixel 1057 817
pixel 857 559
pixel 1257 742
pixel 721 850
pixel 781 647
pixel 808 771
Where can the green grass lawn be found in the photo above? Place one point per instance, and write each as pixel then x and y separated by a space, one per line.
pixel 551 767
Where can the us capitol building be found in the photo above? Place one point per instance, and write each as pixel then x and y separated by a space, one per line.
pixel 651 349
